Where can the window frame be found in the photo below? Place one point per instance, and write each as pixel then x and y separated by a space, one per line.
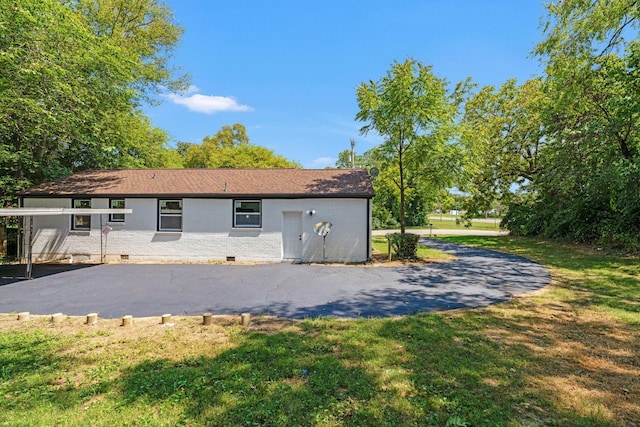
pixel 116 217
pixel 236 213
pixel 170 215
pixel 74 218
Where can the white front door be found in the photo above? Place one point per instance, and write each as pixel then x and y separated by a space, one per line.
pixel 292 235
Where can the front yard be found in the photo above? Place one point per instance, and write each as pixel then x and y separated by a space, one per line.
pixel 568 355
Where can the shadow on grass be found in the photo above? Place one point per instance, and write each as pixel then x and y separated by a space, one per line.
pixel 530 361
pixel 271 379
pixel 474 368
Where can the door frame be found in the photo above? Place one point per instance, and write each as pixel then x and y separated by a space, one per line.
pixel 297 248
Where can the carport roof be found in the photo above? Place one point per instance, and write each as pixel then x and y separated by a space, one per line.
pixel 219 183
pixel 59 211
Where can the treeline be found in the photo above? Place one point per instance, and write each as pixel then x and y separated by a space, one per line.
pixel 569 140
pixel 560 152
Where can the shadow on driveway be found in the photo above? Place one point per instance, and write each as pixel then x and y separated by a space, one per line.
pixel 478 278
pixel 12 273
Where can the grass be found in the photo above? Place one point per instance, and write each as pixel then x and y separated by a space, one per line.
pixel 381 252
pixel 567 356
pixel 449 223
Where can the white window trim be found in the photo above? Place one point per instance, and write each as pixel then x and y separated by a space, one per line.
pixel 111 216
pixel 258 214
pixel 73 217
pixel 167 214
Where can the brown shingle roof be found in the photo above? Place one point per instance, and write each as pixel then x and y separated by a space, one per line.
pixel 211 183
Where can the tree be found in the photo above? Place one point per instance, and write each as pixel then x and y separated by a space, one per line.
pixel 70 89
pixel 590 165
pixel 410 109
pixel 502 135
pixel 344 160
pixel 229 137
pixel 592 70
pixel 146 31
pixel 230 148
pixel 46 97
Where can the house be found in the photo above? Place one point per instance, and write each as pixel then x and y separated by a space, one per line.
pixel 202 215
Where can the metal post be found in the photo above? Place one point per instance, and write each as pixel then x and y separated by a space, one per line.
pixel 27 274
pixel 324 256
pixel 101 244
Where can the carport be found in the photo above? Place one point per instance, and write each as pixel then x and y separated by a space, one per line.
pixel 27 215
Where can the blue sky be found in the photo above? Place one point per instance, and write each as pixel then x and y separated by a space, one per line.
pixel 288 70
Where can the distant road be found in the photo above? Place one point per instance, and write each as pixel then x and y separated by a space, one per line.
pixel 441 232
pixel 450 218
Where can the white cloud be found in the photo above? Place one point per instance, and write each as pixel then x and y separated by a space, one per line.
pixel 208 104
pixel 322 162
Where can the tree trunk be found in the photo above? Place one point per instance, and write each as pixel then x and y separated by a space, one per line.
pixel 400 166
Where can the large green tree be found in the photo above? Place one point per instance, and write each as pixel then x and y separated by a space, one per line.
pixel 230 148
pixel 70 90
pixel 592 54
pixel 146 31
pixel 502 135
pixel 411 109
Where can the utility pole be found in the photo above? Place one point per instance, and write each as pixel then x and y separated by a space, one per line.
pixel 353 154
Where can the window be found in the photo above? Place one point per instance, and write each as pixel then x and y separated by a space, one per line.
pixel 116 204
pixel 170 215
pixel 247 213
pixel 81 222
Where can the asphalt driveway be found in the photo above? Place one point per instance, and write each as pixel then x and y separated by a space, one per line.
pixel 478 278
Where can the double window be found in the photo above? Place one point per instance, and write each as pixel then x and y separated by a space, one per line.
pixel 81 222
pixel 170 215
pixel 116 204
pixel 247 213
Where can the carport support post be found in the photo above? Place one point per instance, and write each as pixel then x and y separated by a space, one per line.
pixel 27 274
pixel 101 245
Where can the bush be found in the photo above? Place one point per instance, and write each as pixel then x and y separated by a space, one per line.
pixel 404 246
pixel 627 242
pixel 383 219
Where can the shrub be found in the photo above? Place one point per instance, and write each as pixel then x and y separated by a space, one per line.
pixel 404 246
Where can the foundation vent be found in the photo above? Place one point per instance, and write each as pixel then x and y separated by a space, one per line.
pixel 231 258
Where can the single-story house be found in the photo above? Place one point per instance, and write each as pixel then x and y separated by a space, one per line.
pixel 202 215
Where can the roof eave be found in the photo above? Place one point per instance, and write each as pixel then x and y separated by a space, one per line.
pixel 205 195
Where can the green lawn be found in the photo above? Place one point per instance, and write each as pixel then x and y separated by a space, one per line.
pixel 568 356
pixel 381 247
pixel 450 223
